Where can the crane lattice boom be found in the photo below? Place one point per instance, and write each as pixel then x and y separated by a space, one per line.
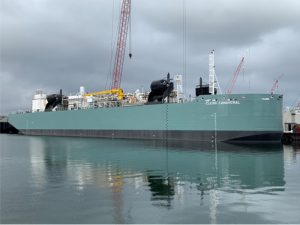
pixel 121 44
pixel 275 85
pixel 235 75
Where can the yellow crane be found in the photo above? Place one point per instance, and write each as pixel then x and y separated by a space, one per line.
pixel 119 92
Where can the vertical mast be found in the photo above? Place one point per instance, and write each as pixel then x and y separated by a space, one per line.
pixel 211 77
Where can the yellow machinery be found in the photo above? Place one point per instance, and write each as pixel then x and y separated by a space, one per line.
pixel 118 92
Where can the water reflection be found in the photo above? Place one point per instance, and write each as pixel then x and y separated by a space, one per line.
pixel 172 173
pixel 48 162
pixel 162 189
pixel 290 152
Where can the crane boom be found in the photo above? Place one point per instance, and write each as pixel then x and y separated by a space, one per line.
pixel 275 84
pixel 118 92
pixel 235 75
pixel 121 44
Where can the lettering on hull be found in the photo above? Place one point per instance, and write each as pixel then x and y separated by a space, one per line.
pixel 222 102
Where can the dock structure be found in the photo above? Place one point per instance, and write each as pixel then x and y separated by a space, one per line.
pixel 6 127
pixel 291 126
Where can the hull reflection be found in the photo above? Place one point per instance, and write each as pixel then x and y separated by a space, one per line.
pixel 165 170
pixel 248 164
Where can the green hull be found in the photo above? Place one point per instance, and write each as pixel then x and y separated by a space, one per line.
pixel 228 117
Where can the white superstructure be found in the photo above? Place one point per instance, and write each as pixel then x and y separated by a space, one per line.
pixel 79 100
pixel 102 99
pixel 82 90
pixel 178 86
pixel 39 101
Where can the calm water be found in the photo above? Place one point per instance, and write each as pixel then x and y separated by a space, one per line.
pixel 86 180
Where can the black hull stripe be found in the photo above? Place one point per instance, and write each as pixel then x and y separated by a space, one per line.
pixel 228 136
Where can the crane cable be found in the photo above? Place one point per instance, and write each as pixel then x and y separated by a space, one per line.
pixel 112 43
pixel 130 52
pixel 184 44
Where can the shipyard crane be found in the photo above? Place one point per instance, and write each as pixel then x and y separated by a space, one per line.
pixel 235 75
pixel 121 44
pixel 119 55
pixel 275 84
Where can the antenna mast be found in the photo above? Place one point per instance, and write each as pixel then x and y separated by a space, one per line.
pixel 211 77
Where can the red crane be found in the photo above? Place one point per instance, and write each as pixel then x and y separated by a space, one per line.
pixel 121 44
pixel 275 84
pixel 235 75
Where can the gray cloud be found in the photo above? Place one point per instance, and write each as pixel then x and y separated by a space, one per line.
pixel 53 44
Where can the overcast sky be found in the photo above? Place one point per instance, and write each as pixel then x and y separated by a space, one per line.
pixel 53 44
